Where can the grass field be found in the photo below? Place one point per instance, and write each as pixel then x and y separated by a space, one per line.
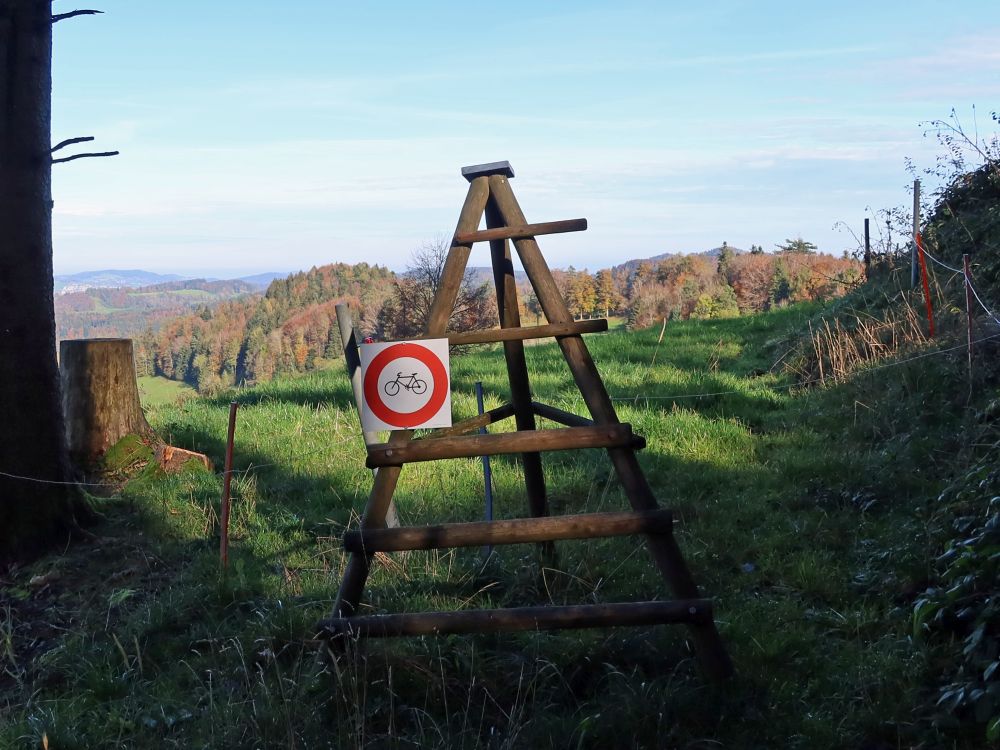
pixel 157 391
pixel 801 512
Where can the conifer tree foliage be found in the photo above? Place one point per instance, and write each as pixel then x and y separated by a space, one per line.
pixel 798 245
pixel 33 514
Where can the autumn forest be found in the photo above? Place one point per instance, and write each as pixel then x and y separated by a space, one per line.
pixel 293 326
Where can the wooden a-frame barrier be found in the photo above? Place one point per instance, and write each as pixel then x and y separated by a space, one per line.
pixel 490 193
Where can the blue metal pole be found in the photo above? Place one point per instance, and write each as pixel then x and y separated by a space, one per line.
pixel 487 473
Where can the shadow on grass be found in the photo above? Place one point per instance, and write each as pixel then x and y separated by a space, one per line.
pixel 287 498
pixel 308 389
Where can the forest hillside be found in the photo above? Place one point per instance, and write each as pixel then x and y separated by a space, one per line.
pixel 293 328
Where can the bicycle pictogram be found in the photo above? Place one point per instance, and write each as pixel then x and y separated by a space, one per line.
pixel 409 382
pixel 405 385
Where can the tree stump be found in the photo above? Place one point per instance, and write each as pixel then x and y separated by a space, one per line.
pixel 100 397
pixel 175 459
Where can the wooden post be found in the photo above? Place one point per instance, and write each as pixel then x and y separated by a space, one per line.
pixel 227 479
pixel 560 415
pixel 531 441
pixel 380 498
pixel 515 531
pixel 517 368
pixel 496 335
pixel 100 397
pixel 524 618
pixel 914 261
pixel 474 423
pixel 663 330
pixel 532 230
pixel 968 308
pixel 664 549
pixel 352 361
pixel 868 250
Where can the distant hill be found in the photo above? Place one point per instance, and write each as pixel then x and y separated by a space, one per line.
pixel 113 279
pixel 121 312
pixel 262 280
pixel 630 265
pixel 484 275
pixel 110 279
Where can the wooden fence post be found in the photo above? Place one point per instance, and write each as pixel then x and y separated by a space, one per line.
pixel 227 479
pixel 868 250
pixel 352 361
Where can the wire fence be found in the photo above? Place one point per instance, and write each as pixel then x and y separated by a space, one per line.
pixel 113 485
pixel 968 280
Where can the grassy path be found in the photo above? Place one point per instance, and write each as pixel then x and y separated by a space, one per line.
pixel 792 515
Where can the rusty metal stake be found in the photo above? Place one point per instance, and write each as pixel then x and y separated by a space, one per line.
pixel 227 478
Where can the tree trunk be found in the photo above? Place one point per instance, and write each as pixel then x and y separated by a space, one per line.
pixel 100 397
pixel 33 513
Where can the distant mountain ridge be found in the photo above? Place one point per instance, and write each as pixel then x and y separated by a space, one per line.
pixel 263 280
pixel 484 275
pixel 136 278
pixel 715 252
pixel 111 279
pixel 124 312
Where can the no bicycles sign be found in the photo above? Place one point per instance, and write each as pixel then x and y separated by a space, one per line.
pixel 406 384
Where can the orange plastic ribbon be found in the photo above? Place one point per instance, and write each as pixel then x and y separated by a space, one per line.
pixel 927 286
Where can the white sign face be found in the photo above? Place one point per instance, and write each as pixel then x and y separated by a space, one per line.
pixel 406 384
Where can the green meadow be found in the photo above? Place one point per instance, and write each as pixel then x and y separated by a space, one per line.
pixel 157 391
pixel 803 512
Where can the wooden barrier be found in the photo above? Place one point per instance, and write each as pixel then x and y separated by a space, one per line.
pixel 496 335
pixel 516 531
pixel 525 230
pixel 490 196
pixel 468 446
pixel 692 611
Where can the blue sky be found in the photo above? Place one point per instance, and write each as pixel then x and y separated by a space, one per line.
pixel 276 136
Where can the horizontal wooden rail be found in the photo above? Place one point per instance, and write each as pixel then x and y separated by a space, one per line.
pixel 558 415
pixel 521 333
pixel 473 423
pixel 695 611
pixel 520 232
pixel 525 441
pixel 515 531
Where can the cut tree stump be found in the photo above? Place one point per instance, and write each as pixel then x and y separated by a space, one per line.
pixel 100 396
pixel 174 459
pixel 101 403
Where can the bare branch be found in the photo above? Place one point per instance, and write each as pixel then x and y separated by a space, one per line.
pixel 72 13
pixel 84 156
pixel 70 142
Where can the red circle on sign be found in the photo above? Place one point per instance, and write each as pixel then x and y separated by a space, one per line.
pixel 439 379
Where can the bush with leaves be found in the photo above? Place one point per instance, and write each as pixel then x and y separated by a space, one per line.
pixel 966 215
pixel 964 603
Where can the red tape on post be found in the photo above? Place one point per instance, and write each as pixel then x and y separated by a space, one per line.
pixel 927 286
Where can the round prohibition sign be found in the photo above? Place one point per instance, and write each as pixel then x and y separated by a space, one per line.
pixel 439 383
